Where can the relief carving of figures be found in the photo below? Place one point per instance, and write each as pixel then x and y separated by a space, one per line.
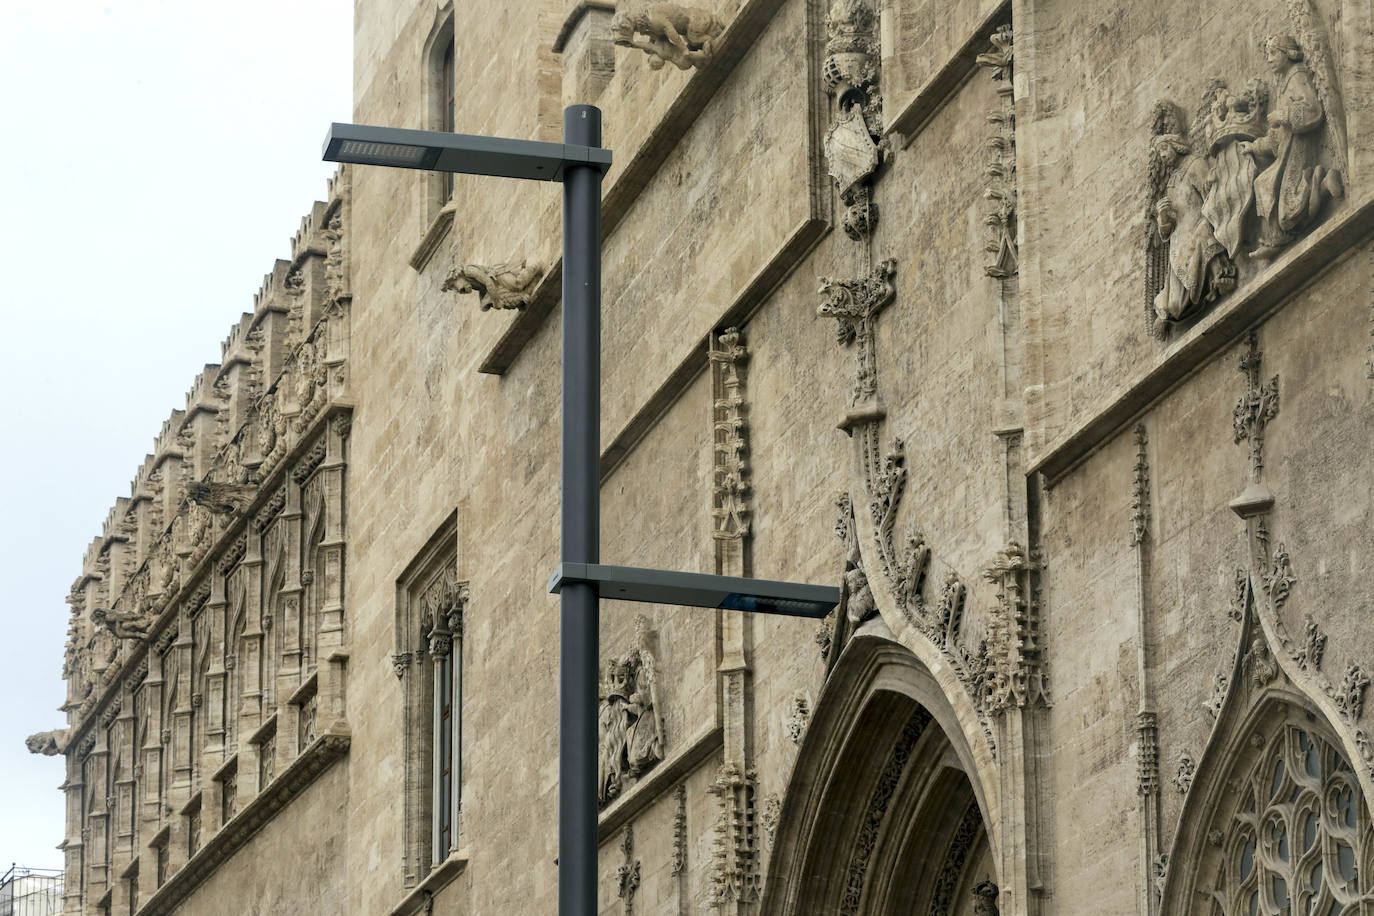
pixel 502 286
pixel 630 723
pixel 1255 168
pixel 854 144
pixel 683 36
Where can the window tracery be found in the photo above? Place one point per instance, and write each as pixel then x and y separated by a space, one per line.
pixel 1300 840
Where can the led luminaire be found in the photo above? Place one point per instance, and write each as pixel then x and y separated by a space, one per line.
pixel 439 151
pixel 661 586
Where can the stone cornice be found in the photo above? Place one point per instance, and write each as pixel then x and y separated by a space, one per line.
pixel 235 834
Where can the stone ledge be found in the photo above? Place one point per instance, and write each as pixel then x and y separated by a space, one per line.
pixel 1272 290
pixel 235 834
pixel 740 35
pixel 439 877
pixel 435 234
pixel 656 782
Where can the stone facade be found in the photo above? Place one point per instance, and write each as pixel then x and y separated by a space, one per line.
pixel 872 316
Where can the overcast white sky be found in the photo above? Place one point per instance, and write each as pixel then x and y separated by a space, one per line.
pixel 157 157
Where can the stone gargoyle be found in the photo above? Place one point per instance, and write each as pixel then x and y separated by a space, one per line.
pixel 221 498
pixel 124 625
pixel 49 744
pixel 503 286
pixel 681 35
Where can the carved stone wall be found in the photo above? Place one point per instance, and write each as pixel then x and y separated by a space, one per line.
pixel 873 280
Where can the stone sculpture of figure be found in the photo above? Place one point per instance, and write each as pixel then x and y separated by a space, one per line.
pixel 122 625
pixel 1199 269
pixel 859 603
pixel 49 744
pixel 1290 191
pixel 681 35
pixel 221 498
pixel 629 728
pixel 504 286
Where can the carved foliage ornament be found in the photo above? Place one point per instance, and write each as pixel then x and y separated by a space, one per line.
pixel 1254 168
pixel 854 303
pixel 734 853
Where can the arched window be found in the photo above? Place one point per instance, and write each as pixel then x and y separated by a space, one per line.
pixel 1299 838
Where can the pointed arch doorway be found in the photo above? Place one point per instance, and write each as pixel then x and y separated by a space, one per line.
pixel 885 814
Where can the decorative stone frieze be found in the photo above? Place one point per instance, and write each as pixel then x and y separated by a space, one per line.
pixel 627 874
pixel 966 833
pixel 669 33
pixel 502 286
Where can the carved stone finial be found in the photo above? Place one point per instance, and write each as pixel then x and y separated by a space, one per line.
pixel 683 36
pixel 502 286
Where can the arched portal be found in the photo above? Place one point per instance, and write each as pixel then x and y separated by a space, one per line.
pixel 885 814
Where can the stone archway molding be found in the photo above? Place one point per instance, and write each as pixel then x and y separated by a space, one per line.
pixel 877 703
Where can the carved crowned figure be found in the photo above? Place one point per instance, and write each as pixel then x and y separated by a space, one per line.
pixel 1197 267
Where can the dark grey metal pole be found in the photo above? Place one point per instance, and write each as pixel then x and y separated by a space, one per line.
pixel 581 523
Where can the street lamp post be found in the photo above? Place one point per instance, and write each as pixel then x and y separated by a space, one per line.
pixel 579 163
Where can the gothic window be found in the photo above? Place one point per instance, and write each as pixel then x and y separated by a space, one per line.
pixel 440 99
pixel 428 660
pixel 446 79
pixel 1300 839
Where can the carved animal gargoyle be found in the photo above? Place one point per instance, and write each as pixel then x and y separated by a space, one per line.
pixel 49 744
pixel 221 498
pixel 683 36
pixel 124 625
pixel 503 286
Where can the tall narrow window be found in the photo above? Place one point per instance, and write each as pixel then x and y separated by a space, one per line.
pixel 428 659
pixel 446 112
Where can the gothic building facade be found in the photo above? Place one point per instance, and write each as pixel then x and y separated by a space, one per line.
pixel 1040 327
